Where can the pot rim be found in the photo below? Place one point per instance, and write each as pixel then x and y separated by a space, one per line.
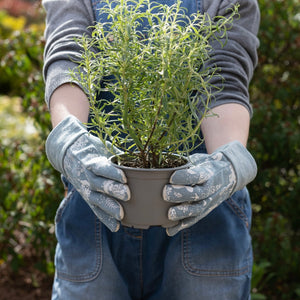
pixel 186 165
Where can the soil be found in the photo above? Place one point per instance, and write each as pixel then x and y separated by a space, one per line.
pixel 139 161
pixel 26 284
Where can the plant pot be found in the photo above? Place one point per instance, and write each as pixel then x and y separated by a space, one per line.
pixel 146 206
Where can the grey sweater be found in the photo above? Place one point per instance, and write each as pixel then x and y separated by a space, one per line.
pixel 66 19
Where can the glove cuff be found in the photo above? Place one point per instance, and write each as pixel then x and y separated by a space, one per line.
pixel 61 138
pixel 242 161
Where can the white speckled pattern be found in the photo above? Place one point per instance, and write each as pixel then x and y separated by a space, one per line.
pixel 84 162
pixel 211 180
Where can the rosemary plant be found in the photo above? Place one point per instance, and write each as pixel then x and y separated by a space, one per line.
pixel 152 59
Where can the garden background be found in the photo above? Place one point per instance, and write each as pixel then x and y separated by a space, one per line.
pixel 30 190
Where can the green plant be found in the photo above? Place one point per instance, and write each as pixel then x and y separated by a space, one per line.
pixel 275 193
pixel 260 275
pixel 156 74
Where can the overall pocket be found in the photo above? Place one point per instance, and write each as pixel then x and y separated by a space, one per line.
pixel 240 204
pixel 79 252
pixel 220 244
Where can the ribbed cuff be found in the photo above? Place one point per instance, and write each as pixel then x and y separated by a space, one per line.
pixel 242 161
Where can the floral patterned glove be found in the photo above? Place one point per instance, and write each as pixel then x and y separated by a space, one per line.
pixel 83 160
pixel 211 180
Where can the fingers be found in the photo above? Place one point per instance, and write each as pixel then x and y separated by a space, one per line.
pixel 191 176
pixel 198 209
pixel 198 158
pixel 171 231
pixel 186 211
pixel 110 222
pixel 189 214
pixel 198 174
pixel 180 193
pixel 107 209
pixel 102 204
pixel 111 188
pixel 220 179
pixel 101 166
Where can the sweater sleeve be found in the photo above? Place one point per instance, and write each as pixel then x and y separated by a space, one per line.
pixel 65 20
pixel 238 58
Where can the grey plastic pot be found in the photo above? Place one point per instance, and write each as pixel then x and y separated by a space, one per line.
pixel 146 206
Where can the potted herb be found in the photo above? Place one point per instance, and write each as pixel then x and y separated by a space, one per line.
pixel 151 58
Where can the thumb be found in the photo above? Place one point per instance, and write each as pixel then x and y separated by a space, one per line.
pixel 190 176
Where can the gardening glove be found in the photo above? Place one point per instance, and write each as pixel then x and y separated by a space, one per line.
pixel 207 183
pixel 83 160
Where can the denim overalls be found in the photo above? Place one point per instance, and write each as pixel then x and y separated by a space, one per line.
pixel 212 260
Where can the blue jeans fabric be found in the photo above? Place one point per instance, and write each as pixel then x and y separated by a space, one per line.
pixel 191 6
pixel 210 260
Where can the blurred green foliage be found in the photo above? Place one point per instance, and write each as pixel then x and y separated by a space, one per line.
pixel 275 143
pixel 31 189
